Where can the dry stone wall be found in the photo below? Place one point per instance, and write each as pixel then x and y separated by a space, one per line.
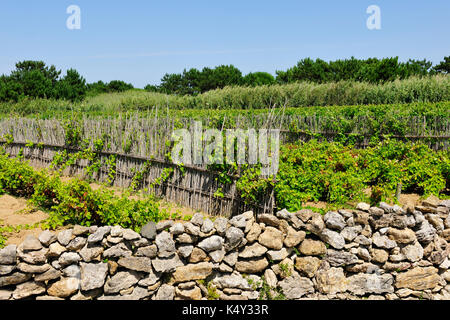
pixel 384 252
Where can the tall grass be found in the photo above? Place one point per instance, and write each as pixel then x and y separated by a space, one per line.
pixel 302 94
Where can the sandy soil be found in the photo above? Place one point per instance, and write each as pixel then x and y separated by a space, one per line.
pixel 13 213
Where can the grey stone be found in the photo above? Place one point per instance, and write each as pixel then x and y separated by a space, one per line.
pixel 64 237
pixel 350 233
pixel 334 220
pixel 68 258
pixel 28 289
pixel 234 237
pixel 34 257
pixel 47 237
pixel 14 278
pixel 148 251
pixel 120 281
pixel 295 286
pixel 98 235
pixel 272 238
pixel 166 264
pixel 93 275
pixel 231 258
pixel 72 271
pixel 90 253
pixel 331 281
pixel 51 274
pixel 363 240
pixel 143 264
pixel 80 230
pixel 8 254
pixel 221 225
pixel 238 221
pixel 283 214
pixel 177 229
pixel 376 212
pixel 31 268
pixel 118 251
pixel 207 226
pixel 76 244
pixel 426 232
pixel 192 229
pixel 165 292
pixel 363 206
pixel 234 280
pixel 340 258
pixel 212 243
pixel 332 238
pixel 413 252
pixel 383 241
pixel 164 225
pixel 149 230
pixel 4 270
pixel 185 250
pixel 165 244
pixel 150 280
pixel 217 255
pixel 277 255
pixel 185 238
pixel 253 251
pixel 130 235
pixel 197 219
pixel 362 284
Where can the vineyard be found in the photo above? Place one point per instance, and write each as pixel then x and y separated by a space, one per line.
pixel 340 143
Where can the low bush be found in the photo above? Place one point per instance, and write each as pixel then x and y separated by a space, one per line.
pixel 74 202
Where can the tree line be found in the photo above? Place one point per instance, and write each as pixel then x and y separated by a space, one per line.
pixel 34 79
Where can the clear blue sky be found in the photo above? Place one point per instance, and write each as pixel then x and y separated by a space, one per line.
pixel 138 41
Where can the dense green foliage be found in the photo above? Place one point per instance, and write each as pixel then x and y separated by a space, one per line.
pixel 33 79
pixel 443 66
pixel 337 173
pixel 99 87
pixel 74 202
pixel 240 99
pixel 369 70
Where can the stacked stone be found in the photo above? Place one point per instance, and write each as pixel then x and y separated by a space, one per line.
pixel 384 252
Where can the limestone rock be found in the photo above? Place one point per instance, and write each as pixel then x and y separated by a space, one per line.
pixel 403 236
pixel 14 278
pixel 252 266
pixel 91 253
pixel 413 252
pixel 332 238
pixel 31 243
pixel 350 233
pixel 165 292
pixel 295 286
pixel 64 287
pixel 307 265
pixel 234 237
pixel 197 255
pixel 76 244
pixel 383 241
pixel 254 232
pixel 8 254
pixel 331 281
pixel 64 237
pixel 120 281
pixel 253 251
pixel 50 274
pixel 118 251
pixel 361 284
pixel 167 264
pixel 68 258
pixel 165 244
pixel 149 230
pixel 136 263
pixel 191 272
pixel 277 255
pixel 334 220
pixel 294 237
pixel 221 225
pixel 418 279
pixel 340 258
pixel 28 289
pixel 310 247
pixel 212 243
